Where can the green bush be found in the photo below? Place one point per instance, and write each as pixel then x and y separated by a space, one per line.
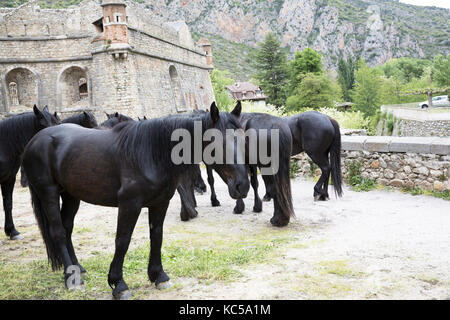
pixel 355 179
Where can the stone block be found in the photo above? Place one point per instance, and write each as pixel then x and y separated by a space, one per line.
pixel 411 144
pixel 441 146
pixel 377 143
pixel 353 143
pixel 396 183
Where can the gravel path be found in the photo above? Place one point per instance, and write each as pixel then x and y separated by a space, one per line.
pixel 373 245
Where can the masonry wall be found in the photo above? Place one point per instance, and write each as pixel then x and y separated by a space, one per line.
pixel 394 161
pixel 133 79
pixel 404 128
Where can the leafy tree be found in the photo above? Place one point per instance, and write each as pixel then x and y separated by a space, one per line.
pixel 405 69
pixel 306 61
pixel 441 70
pixel 366 93
pixel 272 75
pixel 220 80
pixel 314 91
pixel 346 76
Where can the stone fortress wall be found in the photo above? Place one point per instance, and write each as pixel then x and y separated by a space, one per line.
pixel 114 56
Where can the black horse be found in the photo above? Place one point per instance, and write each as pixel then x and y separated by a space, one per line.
pixel 85 119
pixel 113 119
pixel 15 133
pixel 278 185
pixel 319 136
pixel 129 167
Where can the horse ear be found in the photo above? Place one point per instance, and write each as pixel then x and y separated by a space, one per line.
pixel 116 115
pixel 107 115
pixel 45 109
pixel 55 114
pixel 85 114
pixel 145 118
pixel 237 110
pixel 214 112
pixel 36 111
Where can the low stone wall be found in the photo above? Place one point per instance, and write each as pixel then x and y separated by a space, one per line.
pixel 410 121
pixel 438 128
pixel 414 162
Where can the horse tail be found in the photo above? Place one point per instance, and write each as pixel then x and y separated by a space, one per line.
pixel 335 159
pixel 282 181
pixel 53 253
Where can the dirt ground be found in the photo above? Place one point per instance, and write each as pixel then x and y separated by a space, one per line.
pixel 381 244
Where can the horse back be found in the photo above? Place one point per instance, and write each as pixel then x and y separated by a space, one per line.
pixel 77 160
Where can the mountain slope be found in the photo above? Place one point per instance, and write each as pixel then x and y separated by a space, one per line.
pixel 376 30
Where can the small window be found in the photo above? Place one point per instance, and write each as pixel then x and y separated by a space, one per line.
pixel 108 19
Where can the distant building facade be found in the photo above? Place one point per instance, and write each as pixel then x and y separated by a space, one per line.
pixel 108 56
pixel 246 91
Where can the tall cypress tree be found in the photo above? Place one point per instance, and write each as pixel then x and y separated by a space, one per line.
pixel 346 76
pixel 272 75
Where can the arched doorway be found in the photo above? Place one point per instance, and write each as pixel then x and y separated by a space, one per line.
pixel 179 101
pixel 72 87
pixel 22 89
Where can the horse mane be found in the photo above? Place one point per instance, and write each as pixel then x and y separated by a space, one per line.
pixel 18 130
pixel 143 143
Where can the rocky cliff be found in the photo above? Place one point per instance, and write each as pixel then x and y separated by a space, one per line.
pixel 376 30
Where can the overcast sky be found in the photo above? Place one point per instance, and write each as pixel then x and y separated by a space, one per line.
pixel 436 3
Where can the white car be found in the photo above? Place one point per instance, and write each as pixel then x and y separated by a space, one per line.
pixel 439 101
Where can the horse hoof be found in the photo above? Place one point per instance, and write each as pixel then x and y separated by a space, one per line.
pixel 276 222
pixel 215 203
pixel 124 295
pixel 266 198
pixel 317 198
pixel 163 285
pixel 257 209
pixel 17 237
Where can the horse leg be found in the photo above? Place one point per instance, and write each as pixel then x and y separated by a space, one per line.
pixel 278 219
pixel 188 202
pixel 240 206
pixel 23 178
pixel 322 161
pixel 69 209
pixel 49 199
pixel 126 221
pixel 7 193
pixel 269 193
pixel 257 207
pixel 214 201
pixel 155 270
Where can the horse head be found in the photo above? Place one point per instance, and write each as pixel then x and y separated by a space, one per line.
pixel 44 118
pixel 230 165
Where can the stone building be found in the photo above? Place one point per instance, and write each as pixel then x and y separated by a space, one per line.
pixel 108 56
pixel 247 91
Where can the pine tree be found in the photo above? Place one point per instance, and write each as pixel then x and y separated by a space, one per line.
pixel 272 75
pixel 346 76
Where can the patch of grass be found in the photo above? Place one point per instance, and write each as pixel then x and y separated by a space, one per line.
pixel 356 181
pixel 214 260
pixel 339 268
pixel 320 287
pixel 438 194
